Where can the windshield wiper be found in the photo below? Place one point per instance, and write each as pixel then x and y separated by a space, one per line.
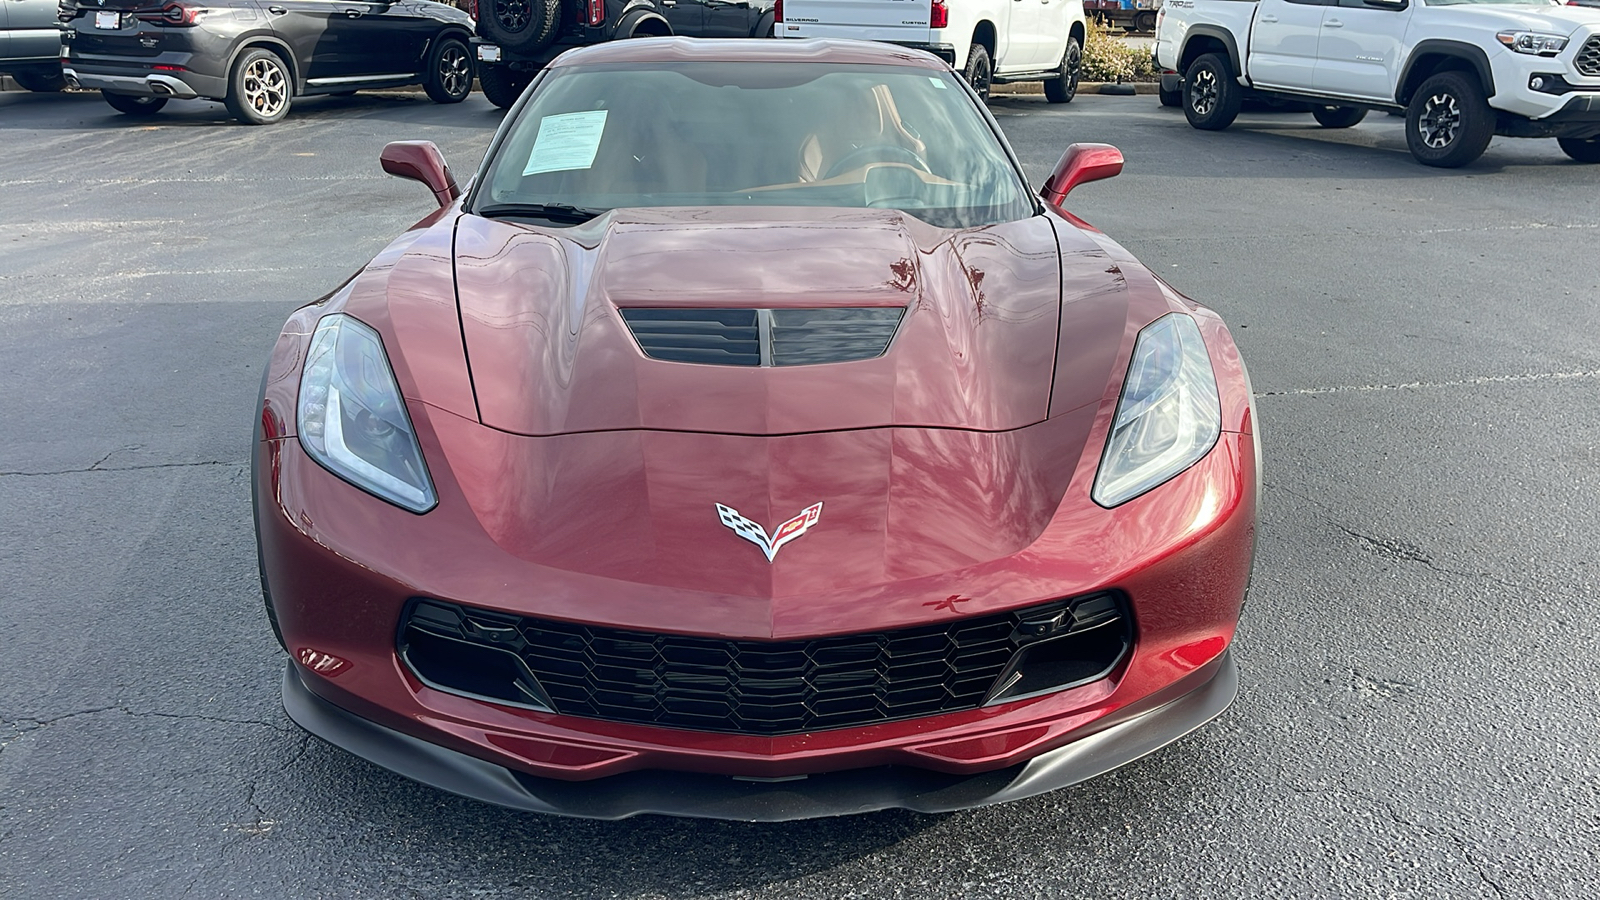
pixel 554 212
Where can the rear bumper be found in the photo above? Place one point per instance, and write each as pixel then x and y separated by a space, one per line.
pixel 698 795
pixel 186 86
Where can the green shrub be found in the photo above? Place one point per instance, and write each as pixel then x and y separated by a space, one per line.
pixel 1107 58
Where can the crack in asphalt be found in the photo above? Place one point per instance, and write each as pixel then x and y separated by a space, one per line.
pixel 28 724
pixel 1390 548
pixel 96 467
pixel 1423 385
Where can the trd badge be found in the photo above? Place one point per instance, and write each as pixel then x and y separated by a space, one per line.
pixel 781 535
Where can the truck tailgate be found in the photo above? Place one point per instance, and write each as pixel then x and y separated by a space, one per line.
pixel 900 21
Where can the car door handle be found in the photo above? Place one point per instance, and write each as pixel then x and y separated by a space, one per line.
pixel 669 2
pixel 353 13
pixel 276 10
pixel 1333 23
pixel 1270 20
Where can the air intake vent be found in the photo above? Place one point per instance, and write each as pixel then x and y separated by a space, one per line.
pixel 802 337
pixel 1588 59
pixel 718 337
pixel 764 337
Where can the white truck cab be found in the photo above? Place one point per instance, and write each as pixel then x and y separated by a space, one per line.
pixel 989 41
pixel 1462 70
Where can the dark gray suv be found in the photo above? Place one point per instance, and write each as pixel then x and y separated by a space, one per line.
pixel 257 55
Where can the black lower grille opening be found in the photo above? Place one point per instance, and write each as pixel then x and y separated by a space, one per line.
pixel 765 687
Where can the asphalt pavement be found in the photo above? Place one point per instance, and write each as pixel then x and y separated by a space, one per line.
pixel 1419 703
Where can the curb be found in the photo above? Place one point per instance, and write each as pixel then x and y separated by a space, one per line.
pixel 1084 87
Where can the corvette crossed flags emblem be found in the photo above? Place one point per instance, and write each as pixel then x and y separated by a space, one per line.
pixel 781 535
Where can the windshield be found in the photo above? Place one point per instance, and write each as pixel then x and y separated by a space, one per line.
pixel 740 134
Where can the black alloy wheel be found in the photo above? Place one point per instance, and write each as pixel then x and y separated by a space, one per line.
pixel 449 71
pixel 1584 151
pixel 521 25
pixel 1337 116
pixel 138 105
pixel 260 88
pixel 1064 86
pixel 1211 93
pixel 980 72
pixel 1449 122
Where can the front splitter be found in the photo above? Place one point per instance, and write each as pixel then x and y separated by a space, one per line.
pixel 703 796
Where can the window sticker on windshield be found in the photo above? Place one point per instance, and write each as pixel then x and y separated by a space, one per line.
pixel 565 142
pixel 938 83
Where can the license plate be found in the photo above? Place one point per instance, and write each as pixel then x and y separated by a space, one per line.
pixel 488 53
pixel 108 21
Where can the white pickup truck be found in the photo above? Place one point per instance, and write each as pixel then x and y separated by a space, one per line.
pixel 989 41
pixel 1462 70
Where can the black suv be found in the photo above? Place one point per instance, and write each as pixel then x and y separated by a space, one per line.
pixel 257 55
pixel 517 37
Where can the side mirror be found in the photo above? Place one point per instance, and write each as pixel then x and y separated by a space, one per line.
pixel 1081 163
pixel 421 161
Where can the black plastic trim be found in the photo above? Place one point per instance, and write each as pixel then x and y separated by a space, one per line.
pixel 1211 31
pixel 1456 49
pixel 696 795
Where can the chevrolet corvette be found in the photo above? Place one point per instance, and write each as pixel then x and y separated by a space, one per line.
pixel 749 440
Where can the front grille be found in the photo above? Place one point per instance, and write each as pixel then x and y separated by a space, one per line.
pixel 763 337
pixel 764 687
pixel 1588 59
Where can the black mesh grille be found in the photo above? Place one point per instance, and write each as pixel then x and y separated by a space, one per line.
pixel 721 337
pixel 1588 59
pixel 764 687
pixel 803 337
pixel 763 337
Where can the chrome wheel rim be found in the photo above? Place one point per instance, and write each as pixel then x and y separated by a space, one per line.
pixel 1440 121
pixel 1203 92
pixel 265 88
pixel 454 74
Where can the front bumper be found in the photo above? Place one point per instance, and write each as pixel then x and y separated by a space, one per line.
pixel 1578 118
pixel 1209 692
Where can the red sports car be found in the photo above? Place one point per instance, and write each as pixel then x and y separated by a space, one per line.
pixel 750 441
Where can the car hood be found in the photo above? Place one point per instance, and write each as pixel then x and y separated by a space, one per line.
pixel 1548 19
pixel 976 347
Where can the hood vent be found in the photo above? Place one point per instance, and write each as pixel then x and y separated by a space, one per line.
pixel 763 337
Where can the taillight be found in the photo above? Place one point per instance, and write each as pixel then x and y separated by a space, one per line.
pixel 597 13
pixel 777 11
pixel 940 17
pixel 472 8
pixel 181 15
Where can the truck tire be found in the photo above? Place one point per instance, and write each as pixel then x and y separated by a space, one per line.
pixel 1211 93
pixel 1449 122
pixel 1144 21
pixel 1337 116
pixel 1064 86
pixel 1171 98
pixel 1584 151
pixel 980 72
pixel 137 105
pixel 502 86
pixel 43 80
pixel 521 25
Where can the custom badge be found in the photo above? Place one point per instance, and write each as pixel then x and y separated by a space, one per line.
pixel 781 535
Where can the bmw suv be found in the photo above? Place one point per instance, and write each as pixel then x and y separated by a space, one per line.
pixel 258 55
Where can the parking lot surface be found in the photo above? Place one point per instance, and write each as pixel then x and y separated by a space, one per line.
pixel 1419 702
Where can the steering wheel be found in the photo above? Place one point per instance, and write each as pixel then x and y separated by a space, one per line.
pixel 875 153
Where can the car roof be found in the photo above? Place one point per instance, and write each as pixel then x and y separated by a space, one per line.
pixel 753 50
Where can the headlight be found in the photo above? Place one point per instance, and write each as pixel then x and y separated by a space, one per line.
pixel 1533 42
pixel 1168 417
pixel 352 420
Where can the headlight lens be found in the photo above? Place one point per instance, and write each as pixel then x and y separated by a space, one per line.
pixel 1533 42
pixel 352 420
pixel 1168 417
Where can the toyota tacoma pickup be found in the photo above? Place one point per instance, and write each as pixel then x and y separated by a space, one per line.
pixel 1462 71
